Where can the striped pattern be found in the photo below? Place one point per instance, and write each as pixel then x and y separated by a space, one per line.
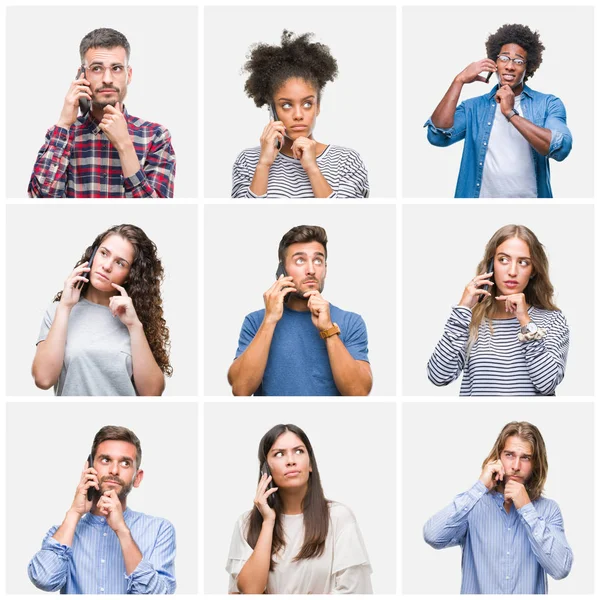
pixel 342 168
pixel 82 163
pixel 499 364
pixel 95 565
pixel 502 553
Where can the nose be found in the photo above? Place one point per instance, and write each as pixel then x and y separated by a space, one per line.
pixel 114 467
pixel 107 77
pixel 513 268
pixel 310 267
pixel 106 266
pixel 298 116
pixel 516 465
pixel 291 460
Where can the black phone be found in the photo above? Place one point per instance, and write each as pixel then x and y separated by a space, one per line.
pixel 487 287
pixel 281 272
pixel 273 113
pixel 90 261
pixel 90 490
pixel 84 103
pixel 489 76
pixel 265 470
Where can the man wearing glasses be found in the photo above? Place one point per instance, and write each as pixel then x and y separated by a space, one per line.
pixel 104 152
pixel 511 132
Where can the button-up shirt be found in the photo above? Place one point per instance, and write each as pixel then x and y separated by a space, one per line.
pixel 81 162
pixel 473 121
pixel 502 553
pixel 94 564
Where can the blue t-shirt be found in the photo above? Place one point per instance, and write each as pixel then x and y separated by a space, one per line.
pixel 298 363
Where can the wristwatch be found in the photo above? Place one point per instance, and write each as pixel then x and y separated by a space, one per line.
pixel 512 113
pixel 531 327
pixel 333 330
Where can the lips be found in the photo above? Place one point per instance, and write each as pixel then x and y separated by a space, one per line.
pixel 291 474
pixel 102 276
pixel 298 127
pixel 511 284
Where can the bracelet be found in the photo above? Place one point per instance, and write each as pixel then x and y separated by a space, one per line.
pixel 528 337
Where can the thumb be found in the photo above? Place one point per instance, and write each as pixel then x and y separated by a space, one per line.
pixel 118 106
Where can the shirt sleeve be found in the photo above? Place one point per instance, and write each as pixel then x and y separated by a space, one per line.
pixel 49 568
pixel 548 541
pixel 156 177
pixel 546 358
pixel 47 322
pixel 239 553
pixel 354 179
pixel 449 527
pixel 439 136
pixel 247 333
pixel 242 179
pixel 156 572
pixel 49 177
pixel 355 339
pixel 449 357
pixel 556 121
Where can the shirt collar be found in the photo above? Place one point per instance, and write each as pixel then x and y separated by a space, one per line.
pixel 90 123
pixel 526 90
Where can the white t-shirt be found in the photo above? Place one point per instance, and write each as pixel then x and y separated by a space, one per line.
pixel 343 568
pixel 508 170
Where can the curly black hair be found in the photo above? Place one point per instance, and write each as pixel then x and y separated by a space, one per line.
pixel 270 66
pixel 524 37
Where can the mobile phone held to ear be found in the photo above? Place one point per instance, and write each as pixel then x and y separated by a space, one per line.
pixel 84 103
pixel 281 272
pixel 264 470
pixel 489 76
pixel 90 490
pixel 90 261
pixel 273 114
pixel 487 287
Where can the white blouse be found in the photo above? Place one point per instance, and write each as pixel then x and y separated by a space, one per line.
pixel 343 568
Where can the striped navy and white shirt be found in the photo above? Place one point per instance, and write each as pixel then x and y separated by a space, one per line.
pixel 502 553
pixel 95 564
pixel 343 169
pixel 498 364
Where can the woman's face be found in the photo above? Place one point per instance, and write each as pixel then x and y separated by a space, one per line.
pixel 289 462
pixel 296 105
pixel 512 266
pixel 112 263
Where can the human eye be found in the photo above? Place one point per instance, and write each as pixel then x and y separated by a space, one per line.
pixel 278 454
pixel 286 105
pixel 299 261
pixel 120 263
pixel 503 259
pixel 104 460
pixel 103 252
pixel 117 68
pixel 125 463
pixel 96 68
pixel 519 61
pixel 308 104
pixel 299 451
pixel 503 58
pixel 525 263
pixel 318 261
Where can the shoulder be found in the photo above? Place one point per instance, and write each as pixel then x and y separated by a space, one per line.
pixel 255 317
pixel 51 309
pixel 147 127
pixel 543 316
pixel 340 514
pixel 249 155
pixel 341 152
pixel 242 522
pixel 150 522
pixel 345 315
pixel 477 101
pixel 546 506
pixel 549 100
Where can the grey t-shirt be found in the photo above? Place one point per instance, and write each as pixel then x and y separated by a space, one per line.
pixel 97 353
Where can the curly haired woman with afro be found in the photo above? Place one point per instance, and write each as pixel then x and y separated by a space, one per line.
pixel 104 334
pixel 289 79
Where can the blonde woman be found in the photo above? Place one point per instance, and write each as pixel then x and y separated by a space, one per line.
pixel 506 335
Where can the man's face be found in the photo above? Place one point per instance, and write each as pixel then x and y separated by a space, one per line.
pixel 517 459
pixel 107 71
pixel 305 262
pixel 115 463
pixel 510 73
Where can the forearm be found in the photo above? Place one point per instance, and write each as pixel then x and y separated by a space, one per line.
pixel 260 181
pixel 65 533
pixel 49 175
pixel 320 187
pixel 132 555
pixel 254 575
pixel 352 377
pixel 50 353
pixel 147 375
pixel 538 137
pixel 246 372
pixel 443 115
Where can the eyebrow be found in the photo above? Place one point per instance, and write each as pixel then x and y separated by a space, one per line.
pixel 101 456
pixel 514 452
pixel 507 53
pixel 306 254
pixel 283 449
pixel 509 256
pixel 290 100
pixel 114 64
pixel 118 257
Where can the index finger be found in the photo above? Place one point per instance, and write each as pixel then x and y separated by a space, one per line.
pixel 120 289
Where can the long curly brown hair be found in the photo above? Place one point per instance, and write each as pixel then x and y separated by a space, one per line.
pixel 143 286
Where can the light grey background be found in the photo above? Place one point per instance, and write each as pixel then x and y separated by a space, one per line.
pixel 42 55
pixel 240 260
pixel 448 462
pixel 439 260
pixel 357 464
pixel 454 39
pixel 358 109
pixel 44 473
pixel 43 244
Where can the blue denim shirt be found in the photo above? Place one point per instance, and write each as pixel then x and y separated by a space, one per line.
pixel 473 121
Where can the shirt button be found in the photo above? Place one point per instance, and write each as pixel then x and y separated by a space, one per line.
pixel 481 164
pixel 506 553
pixel 507 577
pixel 485 143
pixel 477 185
pixel 102 560
pixel 508 530
pixel 102 589
pixel 489 123
pixel 104 534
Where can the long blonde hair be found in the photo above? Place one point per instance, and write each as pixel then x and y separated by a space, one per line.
pixel 539 291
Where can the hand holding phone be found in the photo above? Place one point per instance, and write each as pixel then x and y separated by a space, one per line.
pixel 486 287
pixel 84 103
pixel 90 491
pixel 264 470
pixel 90 262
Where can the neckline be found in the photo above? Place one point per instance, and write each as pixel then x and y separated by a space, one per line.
pixel 297 160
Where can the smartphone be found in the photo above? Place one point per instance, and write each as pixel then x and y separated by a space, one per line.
pixel 84 103
pixel 265 470
pixel 274 116
pixel 279 273
pixel 489 76
pixel 90 490
pixel 486 287
pixel 90 261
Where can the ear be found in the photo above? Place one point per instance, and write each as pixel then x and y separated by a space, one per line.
pixel 129 75
pixel 318 109
pixel 138 478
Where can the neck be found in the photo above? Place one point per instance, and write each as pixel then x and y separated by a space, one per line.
pixel 97 297
pixel 97 111
pixel 500 310
pixel 288 143
pixel 299 304
pixel 292 500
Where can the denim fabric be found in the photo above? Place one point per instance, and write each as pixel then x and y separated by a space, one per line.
pixel 473 122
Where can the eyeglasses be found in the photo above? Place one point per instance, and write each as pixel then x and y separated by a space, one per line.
pixel 96 69
pixel 519 62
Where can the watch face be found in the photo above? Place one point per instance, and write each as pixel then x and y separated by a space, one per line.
pixel 531 327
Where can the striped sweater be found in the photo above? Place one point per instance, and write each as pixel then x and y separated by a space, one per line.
pixel 499 364
pixel 343 169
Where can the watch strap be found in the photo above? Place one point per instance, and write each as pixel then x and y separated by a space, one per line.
pixel 333 330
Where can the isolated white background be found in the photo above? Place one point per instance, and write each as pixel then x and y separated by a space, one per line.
pixel 455 38
pixel 443 447
pixel 45 471
pixel 442 246
pixel 358 109
pixel 43 244
pixel 43 58
pixel 240 260
pixel 355 447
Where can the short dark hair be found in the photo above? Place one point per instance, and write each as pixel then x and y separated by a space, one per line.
pixel 517 34
pixel 103 38
pixel 302 233
pixel 120 434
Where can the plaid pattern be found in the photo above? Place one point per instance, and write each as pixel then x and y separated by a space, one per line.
pixel 82 163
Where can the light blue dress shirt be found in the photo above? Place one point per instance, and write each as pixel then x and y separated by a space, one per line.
pixel 473 122
pixel 94 564
pixel 502 553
